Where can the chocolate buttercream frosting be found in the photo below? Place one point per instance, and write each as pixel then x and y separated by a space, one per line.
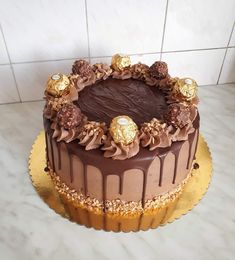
pixel 82 81
pixel 92 135
pixel 122 74
pixel 150 80
pixel 155 134
pixel 120 151
pixel 102 71
pixel 62 134
pixel 181 134
pixel 139 71
pixel 53 105
pixel 167 84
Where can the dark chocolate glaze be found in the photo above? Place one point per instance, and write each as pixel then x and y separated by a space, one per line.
pixel 109 166
pixel 107 99
pixel 162 158
pixel 71 168
pixel 112 97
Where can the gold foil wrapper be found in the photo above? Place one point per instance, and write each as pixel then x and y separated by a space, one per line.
pixel 123 130
pixel 187 87
pixel 120 62
pixel 58 85
pixel 192 193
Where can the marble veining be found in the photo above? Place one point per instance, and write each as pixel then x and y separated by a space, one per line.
pixel 30 230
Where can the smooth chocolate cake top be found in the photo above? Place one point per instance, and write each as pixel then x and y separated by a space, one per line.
pixel 110 98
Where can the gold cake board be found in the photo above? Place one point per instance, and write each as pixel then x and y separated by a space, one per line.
pixel 193 191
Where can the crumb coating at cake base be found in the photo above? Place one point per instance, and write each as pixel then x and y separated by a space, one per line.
pixel 116 206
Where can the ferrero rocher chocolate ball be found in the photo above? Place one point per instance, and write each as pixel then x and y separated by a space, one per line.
pixel 187 88
pixel 120 62
pixel 123 130
pixel 81 67
pixel 177 115
pixel 159 70
pixel 58 85
pixel 69 116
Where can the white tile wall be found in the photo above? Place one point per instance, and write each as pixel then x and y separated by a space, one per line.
pixel 44 30
pixel 3 52
pixel 44 37
pixel 228 71
pixel 232 41
pixel 127 26
pixel 198 24
pixel 203 66
pixel 8 91
pixel 143 58
pixel 148 59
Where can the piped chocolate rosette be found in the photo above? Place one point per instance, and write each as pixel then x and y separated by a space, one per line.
pixel 123 137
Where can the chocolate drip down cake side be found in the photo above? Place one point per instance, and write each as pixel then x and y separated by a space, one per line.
pixel 120 139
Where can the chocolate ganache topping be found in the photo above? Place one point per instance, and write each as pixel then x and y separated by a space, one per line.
pixel 161 108
pixel 107 99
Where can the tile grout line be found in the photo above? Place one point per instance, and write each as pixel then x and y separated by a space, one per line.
pixel 107 56
pixel 87 31
pixel 23 102
pixel 221 67
pixel 208 85
pixel 11 66
pixel 225 54
pixel 4 64
pixel 41 61
pixel 164 29
pixel 203 49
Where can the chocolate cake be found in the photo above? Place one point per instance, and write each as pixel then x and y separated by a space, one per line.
pixel 120 139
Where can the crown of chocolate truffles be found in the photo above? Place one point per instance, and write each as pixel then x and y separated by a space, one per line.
pixel 177 115
pixel 81 67
pixel 159 70
pixel 121 139
pixel 69 116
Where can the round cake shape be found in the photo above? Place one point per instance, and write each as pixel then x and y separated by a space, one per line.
pixel 139 179
pixel 134 184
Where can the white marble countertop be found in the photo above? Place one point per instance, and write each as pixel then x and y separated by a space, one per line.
pixel 29 229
